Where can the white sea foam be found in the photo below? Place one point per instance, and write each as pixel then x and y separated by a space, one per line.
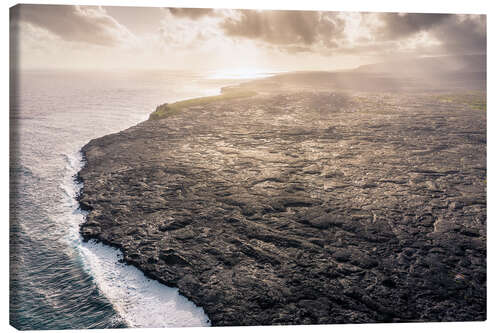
pixel 140 301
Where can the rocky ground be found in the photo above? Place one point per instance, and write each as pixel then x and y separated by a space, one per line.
pixel 306 207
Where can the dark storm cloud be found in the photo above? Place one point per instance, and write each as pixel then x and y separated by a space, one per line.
pixel 300 28
pixel 192 13
pixel 463 34
pixel 73 23
pixel 458 34
pixel 404 25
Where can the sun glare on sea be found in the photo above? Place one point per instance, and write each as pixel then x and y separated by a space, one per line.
pixel 241 73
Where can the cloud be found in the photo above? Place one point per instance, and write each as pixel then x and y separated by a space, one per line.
pixel 401 25
pixel 227 37
pixel 458 34
pixel 87 24
pixel 294 28
pixel 463 34
pixel 182 34
pixel 192 13
pixel 385 34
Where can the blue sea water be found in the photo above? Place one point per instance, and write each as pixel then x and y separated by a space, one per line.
pixel 56 280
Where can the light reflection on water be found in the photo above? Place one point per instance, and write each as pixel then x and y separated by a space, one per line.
pixel 241 74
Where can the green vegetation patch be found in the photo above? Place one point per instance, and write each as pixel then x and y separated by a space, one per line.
pixel 475 100
pixel 166 109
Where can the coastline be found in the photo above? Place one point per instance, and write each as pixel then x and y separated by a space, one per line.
pixel 105 250
pixel 239 214
pixel 113 246
pixel 101 256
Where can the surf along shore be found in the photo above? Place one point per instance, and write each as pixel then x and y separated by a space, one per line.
pixel 305 198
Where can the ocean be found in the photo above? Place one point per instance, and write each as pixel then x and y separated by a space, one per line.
pixel 56 280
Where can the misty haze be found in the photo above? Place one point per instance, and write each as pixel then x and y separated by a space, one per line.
pixel 194 167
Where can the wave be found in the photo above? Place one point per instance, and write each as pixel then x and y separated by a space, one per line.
pixel 139 301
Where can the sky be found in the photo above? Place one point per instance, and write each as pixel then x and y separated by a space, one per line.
pixel 205 39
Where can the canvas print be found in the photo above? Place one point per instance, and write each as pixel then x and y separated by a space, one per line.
pixel 223 167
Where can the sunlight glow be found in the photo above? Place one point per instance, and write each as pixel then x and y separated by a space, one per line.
pixel 241 73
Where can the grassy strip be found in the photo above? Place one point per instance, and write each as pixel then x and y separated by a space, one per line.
pixel 475 100
pixel 166 109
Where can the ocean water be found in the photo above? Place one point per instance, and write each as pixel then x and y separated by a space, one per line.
pixel 56 280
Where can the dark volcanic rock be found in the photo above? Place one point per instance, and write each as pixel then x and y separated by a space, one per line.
pixel 302 208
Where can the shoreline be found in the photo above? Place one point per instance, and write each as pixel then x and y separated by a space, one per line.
pixel 116 247
pixel 86 209
pixel 100 249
